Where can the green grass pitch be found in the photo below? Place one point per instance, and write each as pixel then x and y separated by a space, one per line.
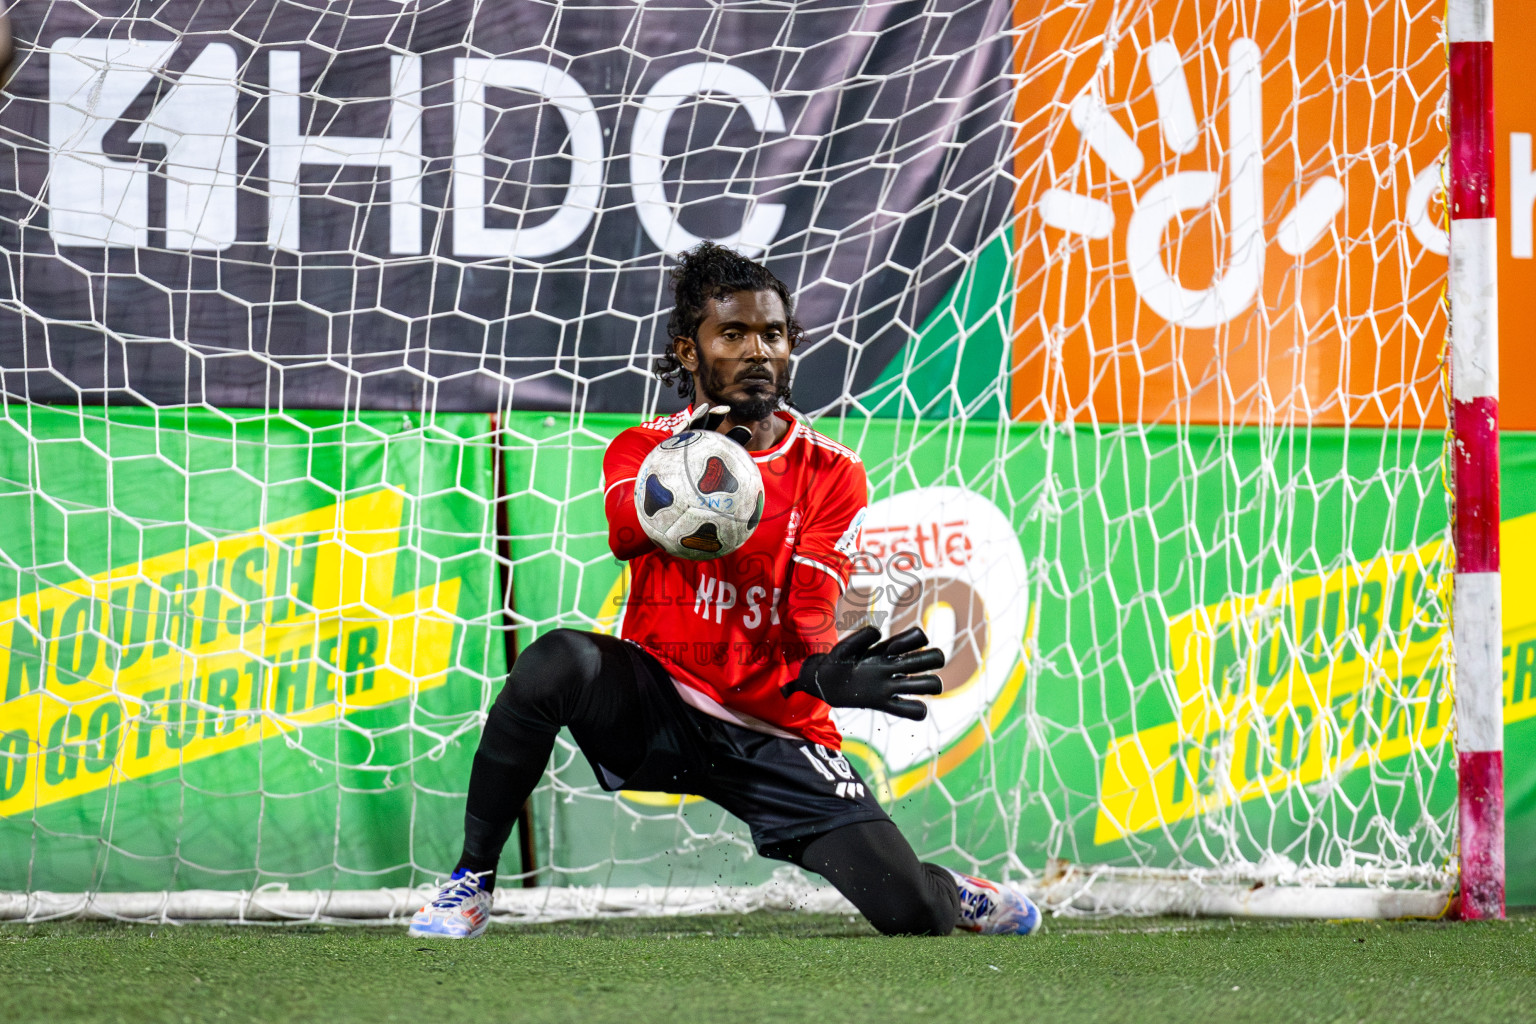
pixel 782 968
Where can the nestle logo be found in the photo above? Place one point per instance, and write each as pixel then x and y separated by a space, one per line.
pixel 931 545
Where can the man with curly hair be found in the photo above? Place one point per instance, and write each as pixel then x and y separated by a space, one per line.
pixel 723 681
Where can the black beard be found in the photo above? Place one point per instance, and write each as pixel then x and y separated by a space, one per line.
pixel 710 383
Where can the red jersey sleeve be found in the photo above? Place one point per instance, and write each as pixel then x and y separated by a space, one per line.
pixel 823 558
pixel 621 465
pixel 810 612
pixel 832 531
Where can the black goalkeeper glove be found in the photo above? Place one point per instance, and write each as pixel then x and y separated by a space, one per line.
pixel 859 673
pixel 710 418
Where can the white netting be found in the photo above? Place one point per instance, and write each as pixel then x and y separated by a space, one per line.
pixel 1131 309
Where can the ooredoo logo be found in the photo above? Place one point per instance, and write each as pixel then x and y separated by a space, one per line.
pixel 1231 215
pixel 1160 207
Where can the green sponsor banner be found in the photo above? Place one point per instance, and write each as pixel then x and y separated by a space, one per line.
pixel 240 649
pixel 1169 647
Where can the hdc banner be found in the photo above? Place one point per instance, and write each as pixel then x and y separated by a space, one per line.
pixel 425 205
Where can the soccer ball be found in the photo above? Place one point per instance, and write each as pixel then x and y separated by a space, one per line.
pixel 699 495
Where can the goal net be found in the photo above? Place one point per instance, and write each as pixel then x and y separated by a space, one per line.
pixel 316 320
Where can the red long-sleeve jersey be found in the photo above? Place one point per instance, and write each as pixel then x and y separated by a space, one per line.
pixel 732 630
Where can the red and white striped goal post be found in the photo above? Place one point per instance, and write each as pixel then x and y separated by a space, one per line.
pixel 1477 634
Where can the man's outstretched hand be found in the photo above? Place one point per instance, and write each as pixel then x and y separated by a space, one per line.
pixel 860 673
pixel 711 418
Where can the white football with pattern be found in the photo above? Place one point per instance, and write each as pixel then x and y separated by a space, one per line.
pixel 699 495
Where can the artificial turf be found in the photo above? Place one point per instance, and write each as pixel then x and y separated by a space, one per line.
pixel 783 968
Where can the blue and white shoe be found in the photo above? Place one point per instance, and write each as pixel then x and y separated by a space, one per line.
pixel 990 908
pixel 460 910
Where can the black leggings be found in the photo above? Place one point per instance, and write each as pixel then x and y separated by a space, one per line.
pixel 872 864
pixel 585 682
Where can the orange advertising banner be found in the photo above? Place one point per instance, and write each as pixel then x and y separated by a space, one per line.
pixel 1232 213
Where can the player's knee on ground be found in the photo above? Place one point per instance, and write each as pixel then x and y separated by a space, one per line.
pixel 549 677
pixel 915 912
pixel 873 865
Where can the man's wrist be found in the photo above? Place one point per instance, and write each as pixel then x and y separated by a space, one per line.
pixel 805 680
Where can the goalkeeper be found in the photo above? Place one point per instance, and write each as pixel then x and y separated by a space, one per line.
pixel 723 682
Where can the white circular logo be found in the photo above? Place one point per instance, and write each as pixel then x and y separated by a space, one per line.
pixel 948 560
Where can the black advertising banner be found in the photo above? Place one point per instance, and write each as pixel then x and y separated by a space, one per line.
pixel 460 206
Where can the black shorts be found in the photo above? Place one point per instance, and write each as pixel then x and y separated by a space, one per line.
pixel 785 790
